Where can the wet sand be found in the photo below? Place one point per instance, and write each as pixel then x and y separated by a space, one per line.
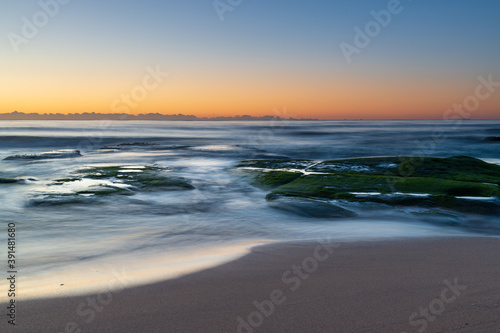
pixel 421 285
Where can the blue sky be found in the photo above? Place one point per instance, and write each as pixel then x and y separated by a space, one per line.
pixel 265 43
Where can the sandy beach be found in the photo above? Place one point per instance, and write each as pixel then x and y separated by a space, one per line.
pixel 233 166
pixel 429 285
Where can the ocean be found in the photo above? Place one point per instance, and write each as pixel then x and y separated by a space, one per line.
pixel 66 247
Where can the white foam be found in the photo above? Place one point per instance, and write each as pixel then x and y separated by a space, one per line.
pixel 478 198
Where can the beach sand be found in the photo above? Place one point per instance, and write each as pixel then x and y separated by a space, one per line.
pixel 420 285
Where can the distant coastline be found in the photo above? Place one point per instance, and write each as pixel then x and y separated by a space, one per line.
pixel 127 117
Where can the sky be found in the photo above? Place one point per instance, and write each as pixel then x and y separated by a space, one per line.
pixel 326 59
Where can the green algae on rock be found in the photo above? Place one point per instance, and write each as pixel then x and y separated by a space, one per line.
pixel 271 179
pixel 455 183
pixel 143 178
pixel 94 182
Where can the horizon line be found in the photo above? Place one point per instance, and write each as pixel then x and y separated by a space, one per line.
pixel 86 116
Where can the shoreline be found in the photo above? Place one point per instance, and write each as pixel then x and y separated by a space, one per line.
pixel 141 269
pixel 103 274
pixel 364 286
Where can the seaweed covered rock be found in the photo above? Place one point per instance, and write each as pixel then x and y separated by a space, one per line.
pixel 144 178
pixel 272 179
pixel 460 183
pixel 91 183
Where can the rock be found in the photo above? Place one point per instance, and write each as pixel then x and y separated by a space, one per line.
pixel 8 180
pixel 64 153
pixel 273 179
pixel 145 178
pixel 93 184
pixel 492 139
pixel 309 207
pixel 128 145
pixel 137 144
pixel 275 164
pixel 397 181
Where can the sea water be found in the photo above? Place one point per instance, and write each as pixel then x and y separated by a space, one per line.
pixel 67 248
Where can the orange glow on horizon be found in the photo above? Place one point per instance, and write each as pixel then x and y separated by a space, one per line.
pixel 325 97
